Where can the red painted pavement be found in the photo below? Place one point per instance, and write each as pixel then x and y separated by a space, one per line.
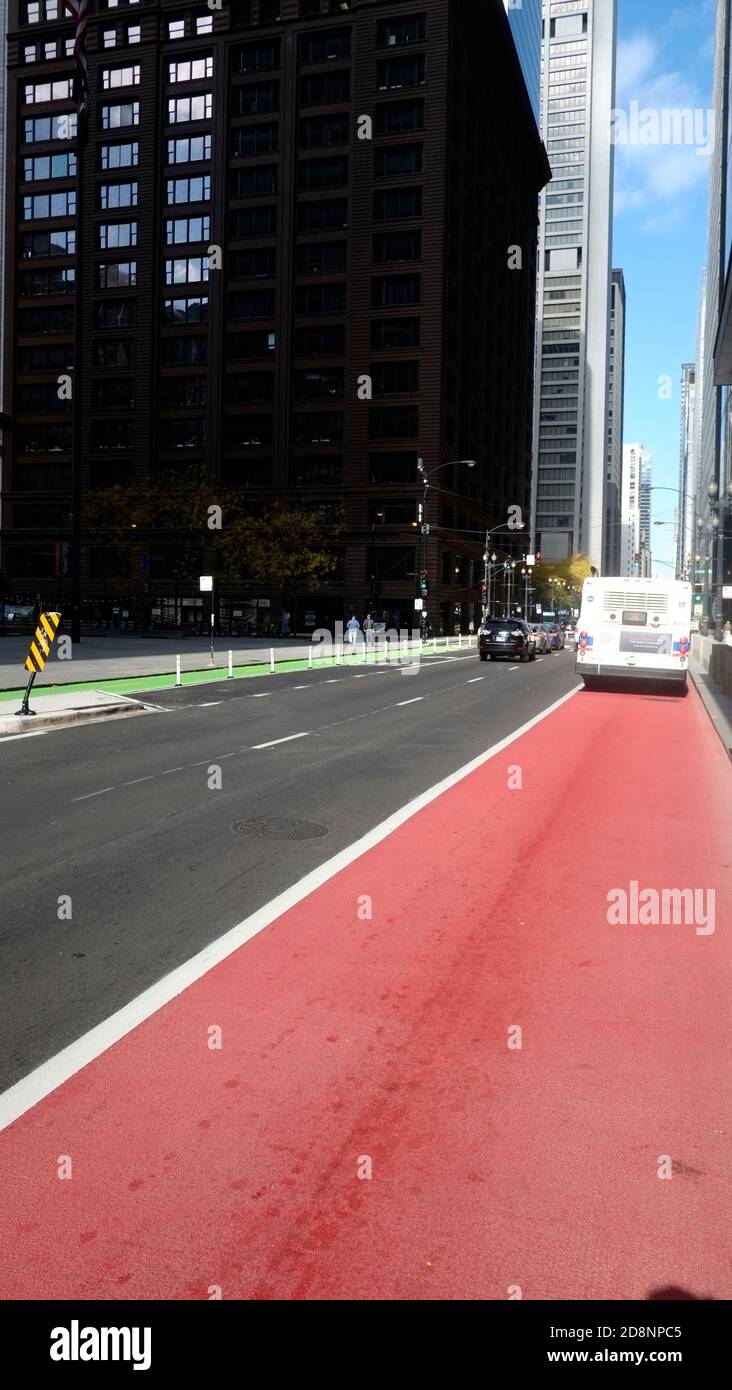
pixel 388 1038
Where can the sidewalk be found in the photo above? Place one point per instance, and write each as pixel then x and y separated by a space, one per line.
pixel 718 705
pixel 51 711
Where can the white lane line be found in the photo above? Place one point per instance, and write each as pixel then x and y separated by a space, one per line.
pixel 333 680
pixel 539 658
pixel 90 794
pixel 262 695
pixel 302 687
pixel 415 701
pixel 513 668
pixel 273 742
pixel 72 1059
pixel 168 771
pixel 209 704
pixel 474 679
pixel 362 677
pixel 135 780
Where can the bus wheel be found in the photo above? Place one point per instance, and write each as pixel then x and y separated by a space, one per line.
pixel 590 682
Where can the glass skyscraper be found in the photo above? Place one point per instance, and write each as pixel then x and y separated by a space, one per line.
pixel 524 16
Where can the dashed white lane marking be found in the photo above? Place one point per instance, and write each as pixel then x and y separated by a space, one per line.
pixel 302 687
pixel 135 780
pixel 513 668
pixel 275 741
pixel 415 701
pixel 209 704
pixel 333 680
pixel 168 771
pixel 474 679
pixel 261 694
pixel 90 794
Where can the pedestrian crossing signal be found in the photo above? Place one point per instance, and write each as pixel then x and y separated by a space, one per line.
pixel 42 642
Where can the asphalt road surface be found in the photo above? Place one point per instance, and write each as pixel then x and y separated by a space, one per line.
pixel 122 819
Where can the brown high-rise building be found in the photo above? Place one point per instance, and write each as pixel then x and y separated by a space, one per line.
pixel 366 168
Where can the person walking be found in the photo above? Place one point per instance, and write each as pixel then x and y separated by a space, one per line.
pixel 369 630
pixel 352 627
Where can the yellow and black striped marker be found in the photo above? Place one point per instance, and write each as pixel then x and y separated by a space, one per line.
pixel 42 641
pixel 39 652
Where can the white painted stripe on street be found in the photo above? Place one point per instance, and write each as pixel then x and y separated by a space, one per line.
pixel 135 780
pixel 72 1059
pixel 302 687
pixel 209 704
pixel 415 701
pixel 90 794
pixel 262 695
pixel 168 771
pixel 513 668
pixel 473 679
pixel 273 742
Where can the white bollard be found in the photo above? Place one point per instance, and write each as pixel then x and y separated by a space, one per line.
pixel 310 658
pixel 271 659
pixel 338 654
pixel 177 670
pixel 460 639
pixel 231 666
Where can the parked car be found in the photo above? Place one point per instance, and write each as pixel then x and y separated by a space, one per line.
pixel 541 640
pixel 506 637
pixel 555 635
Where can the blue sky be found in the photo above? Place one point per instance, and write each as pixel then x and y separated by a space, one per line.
pixel 665 56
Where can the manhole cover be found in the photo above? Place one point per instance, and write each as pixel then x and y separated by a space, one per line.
pixel 279 828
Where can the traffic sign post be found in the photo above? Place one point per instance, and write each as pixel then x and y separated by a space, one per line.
pixel 206 587
pixel 39 652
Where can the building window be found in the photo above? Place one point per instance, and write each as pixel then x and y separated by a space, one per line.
pixel 182 229
pixel 393 73
pixel 256 57
pixel 187 270
pixel 117 195
pixel 253 140
pixel 321 428
pixel 319 383
pixel 397 246
pixel 395 116
pixel 114 395
pixel 134 33
pixel 251 304
pixel 119 156
pixel 204 23
pixel 191 150
pixel 183 391
pixel 255 99
pixel 49 166
pixel 181 110
pixel 49 205
pixel 394 290
pixel 114 117
pixel 45 244
pixel 325 48
pixel 186 310
pixel 253 265
pixel 195 190
pixel 393 33
pixel 109 38
pixel 111 234
pixel 110 435
pixel 388 334
pixel 322 215
pixel 399 159
pixel 190 70
pixel 114 352
pixel 183 434
pixel 393 204
pixel 325 88
pixel 121 77
pixel 322 341
pixel 394 422
pixel 182 352
pixel 35 92
pixel 117 275
pixel 116 313
pixel 321 258
pixel 320 299
pixel 42 128
pixel 395 378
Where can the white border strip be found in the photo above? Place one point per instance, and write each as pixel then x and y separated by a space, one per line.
pixel 51 1074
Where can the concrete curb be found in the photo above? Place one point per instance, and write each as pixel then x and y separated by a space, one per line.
pixel 23 724
pixel 717 705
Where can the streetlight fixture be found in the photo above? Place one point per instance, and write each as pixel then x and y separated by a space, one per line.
pixel 423 523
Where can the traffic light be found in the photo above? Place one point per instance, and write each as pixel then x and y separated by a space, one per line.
pixel 424 587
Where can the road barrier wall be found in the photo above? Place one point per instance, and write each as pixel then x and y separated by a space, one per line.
pixel 716 659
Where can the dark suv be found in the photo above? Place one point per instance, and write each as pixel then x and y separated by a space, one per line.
pixel 510 637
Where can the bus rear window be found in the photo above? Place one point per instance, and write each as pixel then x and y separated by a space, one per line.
pixel 633 617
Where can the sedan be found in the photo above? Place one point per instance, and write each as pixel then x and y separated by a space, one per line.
pixel 501 637
pixel 541 640
pixel 555 635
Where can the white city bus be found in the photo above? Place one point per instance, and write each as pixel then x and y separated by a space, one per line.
pixel 634 629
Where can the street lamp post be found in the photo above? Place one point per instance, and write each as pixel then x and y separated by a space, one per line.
pixel 424 526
